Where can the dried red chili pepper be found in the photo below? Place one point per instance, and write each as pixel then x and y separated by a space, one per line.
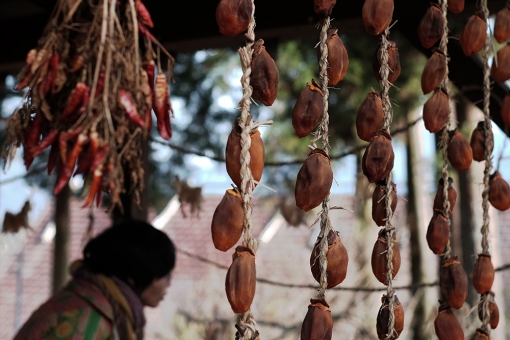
pixel 264 75
pixel 150 68
pixel 145 32
pixel 94 188
pixel 75 99
pixel 434 72
pixel 100 156
pixel 499 192
pixel 76 63
pixel 53 157
pixel 63 138
pixel 370 117
pixel 84 163
pixel 438 233
pixel 48 140
pixel 501 71
pixel 337 257
pixel 48 84
pixel 129 107
pixel 40 59
pixel 99 86
pixel 431 26
pixel 31 137
pixel 233 16
pixel 143 14
pixel 161 106
pixel 377 15
pixel 67 168
pixel 474 35
pixel 502 25
pixel 318 323
pixel 456 6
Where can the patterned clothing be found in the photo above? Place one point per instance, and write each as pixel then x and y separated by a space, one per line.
pixel 78 312
pixel 90 307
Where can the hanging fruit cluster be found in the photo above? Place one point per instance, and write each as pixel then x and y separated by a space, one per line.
pixel 482 142
pixel 372 125
pixel 244 158
pixel 91 88
pixel 329 258
pixel 453 282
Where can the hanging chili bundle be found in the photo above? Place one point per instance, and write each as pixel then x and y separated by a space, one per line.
pixel 87 95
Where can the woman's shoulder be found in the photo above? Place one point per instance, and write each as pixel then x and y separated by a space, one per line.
pixel 79 309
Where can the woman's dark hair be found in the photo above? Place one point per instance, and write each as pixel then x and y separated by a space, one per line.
pixel 131 250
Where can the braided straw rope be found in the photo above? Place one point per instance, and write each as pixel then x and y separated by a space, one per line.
pixel 245 321
pixel 445 137
pixel 322 133
pixel 384 71
pixel 489 144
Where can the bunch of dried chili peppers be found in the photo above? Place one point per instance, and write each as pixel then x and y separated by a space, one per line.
pixel 92 84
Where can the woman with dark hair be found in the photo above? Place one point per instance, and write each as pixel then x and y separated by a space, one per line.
pixel 125 268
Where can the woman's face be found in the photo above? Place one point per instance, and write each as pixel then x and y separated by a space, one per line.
pixel 155 292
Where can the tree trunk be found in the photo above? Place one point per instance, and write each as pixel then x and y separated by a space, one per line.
pixel 61 250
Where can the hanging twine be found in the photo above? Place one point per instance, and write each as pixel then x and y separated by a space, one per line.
pixel 385 84
pixel 486 298
pixel 445 136
pixel 246 324
pixel 323 134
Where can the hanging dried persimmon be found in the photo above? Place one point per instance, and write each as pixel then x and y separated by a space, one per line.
pixel 240 282
pixel 447 326
pixel 502 25
pixel 493 314
pixel 499 192
pixel 264 75
pixel 337 257
pixel 456 6
pixel 460 154
pixel 505 109
pixel 436 111
pixel 308 110
pixel 233 154
pixel 377 161
pixel 318 323
pixel 227 221
pixel 438 233
pixel 478 142
pixel 338 59
pixel 393 63
pixel 377 15
pixel 383 318
pixel 233 16
pixel 434 72
pixel 439 198
pixel 474 35
pixel 314 180
pixel 431 27
pixel 453 282
pixel 379 202
pixel 379 259
pixel 500 71
pixel 370 116
pixel 483 274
